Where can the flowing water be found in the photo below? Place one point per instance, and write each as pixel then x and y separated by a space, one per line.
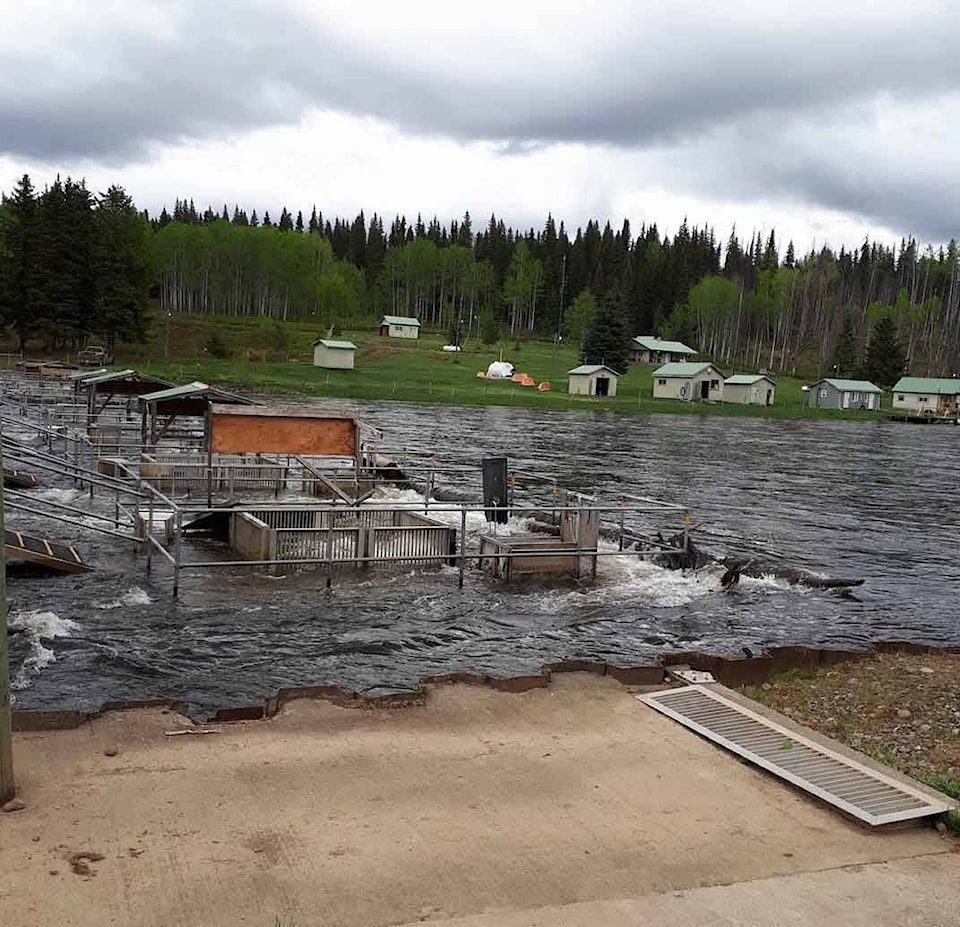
pixel 870 500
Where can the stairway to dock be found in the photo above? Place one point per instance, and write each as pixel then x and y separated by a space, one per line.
pixel 53 555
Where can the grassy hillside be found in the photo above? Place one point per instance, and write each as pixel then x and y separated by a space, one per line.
pixel 267 355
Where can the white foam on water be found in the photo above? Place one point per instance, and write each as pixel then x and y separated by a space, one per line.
pixel 476 522
pixel 133 596
pixel 38 626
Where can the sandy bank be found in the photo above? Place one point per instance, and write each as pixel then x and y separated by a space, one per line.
pixel 575 797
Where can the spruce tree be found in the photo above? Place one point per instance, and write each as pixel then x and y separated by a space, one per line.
pixel 607 340
pixel 20 270
pixel 845 352
pixel 885 360
pixel 121 268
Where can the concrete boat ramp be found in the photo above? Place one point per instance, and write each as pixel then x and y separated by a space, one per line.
pixel 569 805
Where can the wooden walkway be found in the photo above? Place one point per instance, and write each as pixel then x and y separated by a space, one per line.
pixel 24 548
pixel 19 479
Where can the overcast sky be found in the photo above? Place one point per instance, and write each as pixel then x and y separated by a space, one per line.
pixel 828 121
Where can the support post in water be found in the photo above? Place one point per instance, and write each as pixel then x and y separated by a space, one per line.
pixel 463 542
pixel 7 787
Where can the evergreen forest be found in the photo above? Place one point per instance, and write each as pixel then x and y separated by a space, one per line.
pixel 75 266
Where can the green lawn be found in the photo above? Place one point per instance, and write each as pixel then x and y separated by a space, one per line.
pixel 265 356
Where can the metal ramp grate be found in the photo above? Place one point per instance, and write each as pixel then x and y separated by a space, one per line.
pixel 840 780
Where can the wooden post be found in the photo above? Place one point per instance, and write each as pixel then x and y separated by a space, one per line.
pixel 463 542
pixel 6 730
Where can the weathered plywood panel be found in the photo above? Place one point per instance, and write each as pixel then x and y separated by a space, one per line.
pixel 274 434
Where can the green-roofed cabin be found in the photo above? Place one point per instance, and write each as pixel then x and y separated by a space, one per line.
pixel 399 326
pixel 334 355
pixel 749 389
pixel 688 382
pixel 592 380
pixel 933 396
pixel 645 349
pixel 835 393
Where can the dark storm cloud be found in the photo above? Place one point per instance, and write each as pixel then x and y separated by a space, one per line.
pixel 655 78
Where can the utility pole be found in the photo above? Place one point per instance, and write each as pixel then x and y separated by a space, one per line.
pixel 6 729
pixel 563 283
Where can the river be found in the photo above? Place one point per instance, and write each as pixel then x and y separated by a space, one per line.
pixel 870 500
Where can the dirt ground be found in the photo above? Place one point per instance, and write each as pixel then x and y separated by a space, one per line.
pixel 571 805
pixel 902 709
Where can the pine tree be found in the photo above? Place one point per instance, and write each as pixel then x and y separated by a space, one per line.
pixel 299 224
pixel 607 340
pixel 885 360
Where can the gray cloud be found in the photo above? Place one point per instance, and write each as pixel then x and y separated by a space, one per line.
pixel 652 79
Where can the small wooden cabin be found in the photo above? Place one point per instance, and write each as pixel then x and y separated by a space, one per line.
pixel 334 355
pixel 592 380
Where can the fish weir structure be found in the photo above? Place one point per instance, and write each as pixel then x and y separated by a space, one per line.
pixel 290 488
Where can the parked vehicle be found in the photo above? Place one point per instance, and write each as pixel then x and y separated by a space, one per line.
pixel 94 355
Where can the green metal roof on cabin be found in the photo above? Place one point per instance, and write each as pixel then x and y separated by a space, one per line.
pixel 939 386
pixel 649 343
pixel 681 370
pixel 852 386
pixel 336 345
pixel 399 320
pixel 588 370
pixel 746 379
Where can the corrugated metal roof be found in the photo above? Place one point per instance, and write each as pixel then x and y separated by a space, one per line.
pixel 822 768
pixel 87 374
pixel 195 390
pixel 746 379
pixel 586 370
pixel 650 343
pixel 940 386
pixel 112 377
pixel 399 320
pixel 681 370
pixel 336 345
pixel 852 386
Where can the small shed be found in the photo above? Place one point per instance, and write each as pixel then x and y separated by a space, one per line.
pixel 592 380
pixel 103 387
pixel 398 326
pixel 938 396
pixel 161 409
pixel 833 393
pixel 334 355
pixel 749 389
pixel 686 381
pixel 645 349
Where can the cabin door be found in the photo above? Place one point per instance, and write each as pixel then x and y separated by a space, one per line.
pixel 603 386
pixel 704 389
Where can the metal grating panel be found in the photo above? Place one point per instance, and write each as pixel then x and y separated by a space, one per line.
pixel 843 782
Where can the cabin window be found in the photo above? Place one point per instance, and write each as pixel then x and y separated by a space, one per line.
pixel 923 399
pixel 823 394
pixel 661 382
pixel 901 398
pixel 714 384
